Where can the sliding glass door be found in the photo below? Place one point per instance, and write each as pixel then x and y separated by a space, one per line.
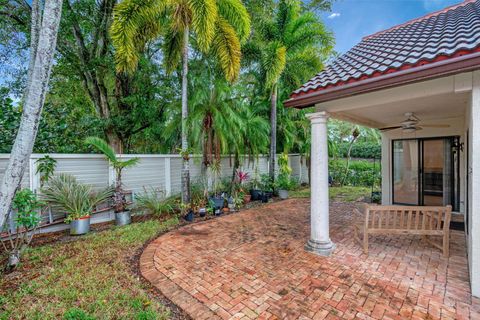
pixel 425 172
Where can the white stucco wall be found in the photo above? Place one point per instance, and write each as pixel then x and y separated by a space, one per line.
pixel 473 237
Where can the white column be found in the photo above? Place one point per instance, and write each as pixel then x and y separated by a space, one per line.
pixel 319 242
pixel 386 173
pixel 474 201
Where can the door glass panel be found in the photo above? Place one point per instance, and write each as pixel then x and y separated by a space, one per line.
pixel 405 172
pixel 436 176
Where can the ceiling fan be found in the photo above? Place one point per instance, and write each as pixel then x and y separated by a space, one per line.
pixel 411 124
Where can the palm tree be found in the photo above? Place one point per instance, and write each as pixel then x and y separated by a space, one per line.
pixel 218 26
pixel 288 48
pixel 118 165
pixel 226 123
pixel 43 44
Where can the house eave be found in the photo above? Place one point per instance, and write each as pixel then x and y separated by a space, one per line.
pixel 438 69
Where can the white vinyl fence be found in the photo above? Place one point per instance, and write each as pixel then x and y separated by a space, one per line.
pixel 161 172
pixel 158 172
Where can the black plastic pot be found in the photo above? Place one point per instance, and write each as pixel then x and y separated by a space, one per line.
pixel 256 194
pixel 189 216
pixel 264 197
pixel 202 212
pixel 218 202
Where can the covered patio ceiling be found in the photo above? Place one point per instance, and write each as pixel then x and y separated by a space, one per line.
pixel 440 99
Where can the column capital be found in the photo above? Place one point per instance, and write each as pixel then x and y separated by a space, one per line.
pixel 317 117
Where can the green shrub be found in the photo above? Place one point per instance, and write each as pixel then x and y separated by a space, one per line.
pixel 364 150
pixel 361 173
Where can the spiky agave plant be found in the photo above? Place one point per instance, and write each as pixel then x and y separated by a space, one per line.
pixel 65 193
pixel 118 165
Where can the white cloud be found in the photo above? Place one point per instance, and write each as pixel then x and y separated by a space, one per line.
pixel 334 15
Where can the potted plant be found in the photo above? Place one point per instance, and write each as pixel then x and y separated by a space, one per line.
pixel 186 211
pixel 65 193
pixel 284 184
pixel 238 200
pixel 267 187
pixel 255 192
pixel 242 178
pixel 122 213
pixel 216 198
pixel 284 181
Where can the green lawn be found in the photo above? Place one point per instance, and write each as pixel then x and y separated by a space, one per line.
pixel 90 278
pixel 348 194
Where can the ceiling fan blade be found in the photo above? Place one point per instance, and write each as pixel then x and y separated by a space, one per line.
pixel 390 128
pixel 436 125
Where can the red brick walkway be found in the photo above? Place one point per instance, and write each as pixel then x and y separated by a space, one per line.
pixel 252 265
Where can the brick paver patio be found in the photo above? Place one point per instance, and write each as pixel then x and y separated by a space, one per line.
pixel 252 265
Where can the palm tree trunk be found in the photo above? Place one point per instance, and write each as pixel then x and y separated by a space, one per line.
pixel 185 167
pixel 33 105
pixel 273 132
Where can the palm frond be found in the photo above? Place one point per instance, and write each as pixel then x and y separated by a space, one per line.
pixel 103 147
pixel 236 14
pixel 273 62
pixel 129 163
pixel 134 23
pixel 204 16
pixel 172 48
pixel 226 46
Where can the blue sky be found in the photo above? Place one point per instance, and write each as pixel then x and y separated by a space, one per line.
pixel 350 20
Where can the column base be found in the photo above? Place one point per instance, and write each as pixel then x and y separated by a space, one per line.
pixel 321 248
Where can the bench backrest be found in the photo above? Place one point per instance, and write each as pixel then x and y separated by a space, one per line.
pixel 408 219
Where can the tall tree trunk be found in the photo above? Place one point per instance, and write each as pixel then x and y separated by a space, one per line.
pixel 34 34
pixel 33 105
pixel 273 132
pixel 186 166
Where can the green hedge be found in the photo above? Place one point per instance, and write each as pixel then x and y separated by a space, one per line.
pixel 361 173
pixel 365 150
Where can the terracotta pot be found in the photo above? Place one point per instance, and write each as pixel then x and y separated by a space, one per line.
pixel 247 198
pixel 226 210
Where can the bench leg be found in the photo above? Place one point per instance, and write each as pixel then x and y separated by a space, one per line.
pixel 365 242
pixel 446 243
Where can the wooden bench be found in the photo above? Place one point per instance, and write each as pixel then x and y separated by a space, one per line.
pixel 406 220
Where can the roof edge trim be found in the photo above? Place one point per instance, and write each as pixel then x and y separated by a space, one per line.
pixel 427 72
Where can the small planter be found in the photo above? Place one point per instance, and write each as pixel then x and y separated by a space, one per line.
pixel 256 194
pixel 80 226
pixel 123 218
pixel 283 194
pixel 264 197
pixel 247 198
pixel 269 194
pixel 218 202
pixel 189 216
pixel 226 210
pixel 202 212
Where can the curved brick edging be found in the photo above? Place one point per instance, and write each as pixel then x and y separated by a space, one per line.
pixel 169 289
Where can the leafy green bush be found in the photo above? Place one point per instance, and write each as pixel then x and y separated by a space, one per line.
pixel 364 150
pixel 361 173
